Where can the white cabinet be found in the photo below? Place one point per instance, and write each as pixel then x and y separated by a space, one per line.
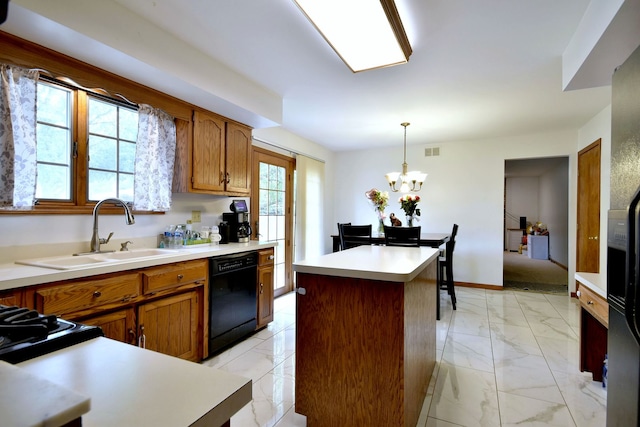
pixel 538 247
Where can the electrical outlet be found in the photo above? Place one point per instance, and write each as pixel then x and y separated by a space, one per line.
pixel 195 216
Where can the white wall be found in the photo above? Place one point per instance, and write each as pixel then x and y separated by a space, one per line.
pixel 465 185
pixel 553 211
pixel 522 199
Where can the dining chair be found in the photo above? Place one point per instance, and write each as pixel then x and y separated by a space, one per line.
pixel 445 267
pixel 402 236
pixel 354 235
pixel 340 224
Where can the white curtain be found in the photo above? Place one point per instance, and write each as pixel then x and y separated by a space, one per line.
pixel 18 162
pixel 309 208
pixel 155 157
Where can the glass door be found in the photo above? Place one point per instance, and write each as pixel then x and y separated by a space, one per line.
pixel 272 201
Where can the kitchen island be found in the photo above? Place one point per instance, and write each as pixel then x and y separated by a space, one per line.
pixel 365 335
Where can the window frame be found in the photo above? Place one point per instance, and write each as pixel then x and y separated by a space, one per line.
pixel 79 169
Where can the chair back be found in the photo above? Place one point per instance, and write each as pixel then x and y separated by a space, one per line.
pixel 354 235
pixel 402 236
pixel 451 244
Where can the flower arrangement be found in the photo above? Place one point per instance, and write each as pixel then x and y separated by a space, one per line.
pixel 409 204
pixel 379 199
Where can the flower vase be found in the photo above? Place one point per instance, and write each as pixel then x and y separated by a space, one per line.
pixel 409 220
pixel 380 227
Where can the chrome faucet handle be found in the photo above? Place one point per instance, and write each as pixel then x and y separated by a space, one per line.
pixel 123 246
pixel 104 241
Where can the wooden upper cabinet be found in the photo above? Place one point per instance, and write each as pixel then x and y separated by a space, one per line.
pixel 220 156
pixel 238 158
pixel 208 170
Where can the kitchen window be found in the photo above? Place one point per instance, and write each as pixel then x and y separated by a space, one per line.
pixel 86 146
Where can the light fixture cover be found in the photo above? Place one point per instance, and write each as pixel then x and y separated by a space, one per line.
pixel 366 34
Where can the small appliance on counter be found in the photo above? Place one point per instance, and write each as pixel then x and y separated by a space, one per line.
pixel 25 334
pixel 238 220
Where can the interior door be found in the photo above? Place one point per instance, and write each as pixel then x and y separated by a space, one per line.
pixel 272 213
pixel 588 229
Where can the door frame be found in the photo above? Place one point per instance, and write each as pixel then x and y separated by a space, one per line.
pixel 262 155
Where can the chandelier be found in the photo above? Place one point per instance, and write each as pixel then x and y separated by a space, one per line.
pixel 409 181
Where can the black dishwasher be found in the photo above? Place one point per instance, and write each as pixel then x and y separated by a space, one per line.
pixel 232 298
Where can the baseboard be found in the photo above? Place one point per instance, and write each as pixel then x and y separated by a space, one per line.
pixel 478 285
pixel 558 264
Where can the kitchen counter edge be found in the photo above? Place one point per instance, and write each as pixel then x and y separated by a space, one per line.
pixel 15 276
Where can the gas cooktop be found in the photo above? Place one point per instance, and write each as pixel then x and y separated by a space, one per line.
pixel 25 333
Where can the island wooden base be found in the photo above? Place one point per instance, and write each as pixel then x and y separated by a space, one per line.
pixel 365 349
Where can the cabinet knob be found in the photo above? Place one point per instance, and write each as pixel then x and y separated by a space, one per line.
pixel 589 302
pixel 271 257
pixel 222 178
pixel 578 293
pixel 97 294
pixel 180 276
pixel 301 291
pixel 261 288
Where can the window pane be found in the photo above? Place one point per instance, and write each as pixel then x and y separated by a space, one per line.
pixel 127 157
pixel 103 118
pixel 264 175
pixel 102 153
pixel 128 124
pixel 53 105
pixel 102 185
pixel 125 187
pixel 53 182
pixel 53 133
pixel 264 202
pixel 53 144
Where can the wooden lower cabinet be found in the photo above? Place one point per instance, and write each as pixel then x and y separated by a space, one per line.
pixel 160 308
pixel 119 325
pixel 11 298
pixel 170 326
pixel 265 287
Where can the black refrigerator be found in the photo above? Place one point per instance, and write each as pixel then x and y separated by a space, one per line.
pixel 623 252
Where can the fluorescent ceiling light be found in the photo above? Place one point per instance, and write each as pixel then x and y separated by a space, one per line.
pixel 366 34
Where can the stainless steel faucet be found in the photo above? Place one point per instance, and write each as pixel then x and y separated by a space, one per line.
pixel 96 241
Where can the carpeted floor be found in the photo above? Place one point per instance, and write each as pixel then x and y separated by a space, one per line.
pixel 523 273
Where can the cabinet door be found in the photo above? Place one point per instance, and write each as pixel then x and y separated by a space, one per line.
pixel 119 325
pixel 238 158
pixel 265 295
pixel 170 326
pixel 11 298
pixel 208 171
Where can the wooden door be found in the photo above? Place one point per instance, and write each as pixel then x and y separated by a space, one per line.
pixel 208 165
pixel 170 325
pixel 588 227
pixel 119 325
pixel 238 161
pixel 272 211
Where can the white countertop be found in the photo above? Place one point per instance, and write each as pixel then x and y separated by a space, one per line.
pixel 393 264
pixel 28 400
pixel 16 275
pixel 130 386
pixel 594 281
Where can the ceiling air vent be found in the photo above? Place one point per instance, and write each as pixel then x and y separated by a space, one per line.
pixel 432 151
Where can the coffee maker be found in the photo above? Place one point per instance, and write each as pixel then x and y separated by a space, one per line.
pixel 239 222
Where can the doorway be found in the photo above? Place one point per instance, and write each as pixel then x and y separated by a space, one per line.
pixel 272 198
pixel 536 225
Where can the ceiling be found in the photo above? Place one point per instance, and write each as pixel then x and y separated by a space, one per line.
pixel 479 69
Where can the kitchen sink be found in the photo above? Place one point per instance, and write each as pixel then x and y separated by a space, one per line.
pixel 70 262
pixel 135 253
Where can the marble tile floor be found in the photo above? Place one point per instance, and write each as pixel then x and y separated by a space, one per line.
pixel 504 358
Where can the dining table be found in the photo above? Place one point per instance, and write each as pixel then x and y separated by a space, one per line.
pixel 433 240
